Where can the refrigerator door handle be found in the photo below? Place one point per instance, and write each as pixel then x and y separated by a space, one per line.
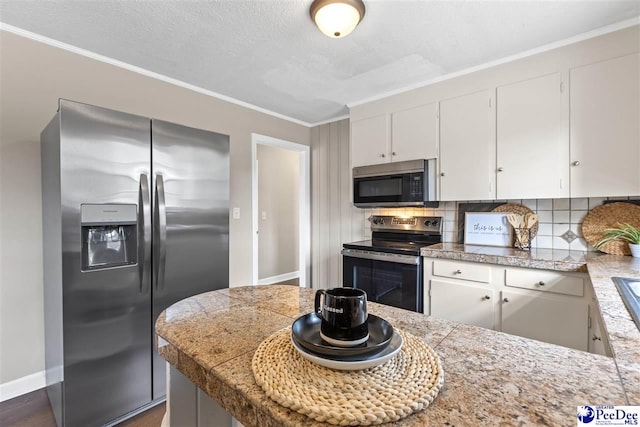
pixel 144 249
pixel 160 224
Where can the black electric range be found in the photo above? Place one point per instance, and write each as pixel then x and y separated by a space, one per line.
pixel 389 266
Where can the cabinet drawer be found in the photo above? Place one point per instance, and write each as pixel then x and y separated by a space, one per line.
pixel 462 270
pixel 545 281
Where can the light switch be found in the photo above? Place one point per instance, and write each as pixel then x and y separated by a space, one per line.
pixel 236 213
pixel 264 215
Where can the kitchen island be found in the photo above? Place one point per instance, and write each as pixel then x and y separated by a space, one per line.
pixel 491 378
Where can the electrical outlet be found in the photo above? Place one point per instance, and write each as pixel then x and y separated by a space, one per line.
pixel 236 213
pixel 264 215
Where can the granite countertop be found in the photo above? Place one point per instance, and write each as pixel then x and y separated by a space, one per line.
pixel 624 336
pixel 491 378
pixel 548 259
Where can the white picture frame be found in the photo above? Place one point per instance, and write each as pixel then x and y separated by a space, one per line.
pixel 488 229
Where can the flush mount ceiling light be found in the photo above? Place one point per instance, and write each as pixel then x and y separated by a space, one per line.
pixel 337 18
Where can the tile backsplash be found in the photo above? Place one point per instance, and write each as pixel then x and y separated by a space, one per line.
pixel 559 228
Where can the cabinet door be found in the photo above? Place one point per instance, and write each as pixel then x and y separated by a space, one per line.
pixel 532 144
pixel 414 133
pixel 605 135
pixel 462 302
pixel 370 141
pixel 598 340
pixel 467 149
pixel 543 318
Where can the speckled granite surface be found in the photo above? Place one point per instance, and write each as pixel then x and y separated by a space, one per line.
pixel 624 336
pixel 491 378
pixel 548 259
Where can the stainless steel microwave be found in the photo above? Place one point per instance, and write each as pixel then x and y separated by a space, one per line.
pixel 395 184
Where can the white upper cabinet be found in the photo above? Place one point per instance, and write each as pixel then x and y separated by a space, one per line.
pixel 414 133
pixel 467 148
pixel 605 138
pixel 404 135
pixel 370 141
pixel 532 142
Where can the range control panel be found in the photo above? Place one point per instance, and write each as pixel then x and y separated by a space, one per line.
pixel 431 224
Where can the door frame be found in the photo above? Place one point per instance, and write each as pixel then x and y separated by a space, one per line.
pixel 304 208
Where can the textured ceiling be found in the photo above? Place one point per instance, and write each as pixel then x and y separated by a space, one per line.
pixel 269 54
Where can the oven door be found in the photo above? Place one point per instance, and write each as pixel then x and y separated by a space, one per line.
pixel 389 279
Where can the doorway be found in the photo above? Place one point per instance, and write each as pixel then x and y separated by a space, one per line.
pixel 280 211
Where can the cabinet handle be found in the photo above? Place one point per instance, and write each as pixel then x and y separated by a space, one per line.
pixel 382 155
pixel 393 153
pixel 500 169
pixel 457 272
pixel 441 173
pixel 576 163
pixel 506 300
pixel 541 283
pixel 487 297
pixel 595 338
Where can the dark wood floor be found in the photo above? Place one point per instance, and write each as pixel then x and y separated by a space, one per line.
pixel 292 282
pixel 33 410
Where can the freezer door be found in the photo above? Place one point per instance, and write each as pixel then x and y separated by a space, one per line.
pixel 191 218
pixel 104 157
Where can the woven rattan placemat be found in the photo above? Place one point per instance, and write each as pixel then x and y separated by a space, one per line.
pixel 610 216
pixel 389 392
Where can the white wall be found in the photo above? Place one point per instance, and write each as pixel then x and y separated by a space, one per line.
pixel 32 78
pixel 334 219
pixel 278 211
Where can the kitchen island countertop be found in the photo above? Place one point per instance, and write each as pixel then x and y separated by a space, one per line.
pixel 623 335
pixel 491 378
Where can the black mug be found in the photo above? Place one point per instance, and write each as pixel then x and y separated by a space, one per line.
pixel 343 312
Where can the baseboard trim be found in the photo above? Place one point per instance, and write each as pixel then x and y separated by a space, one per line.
pixel 279 278
pixel 23 385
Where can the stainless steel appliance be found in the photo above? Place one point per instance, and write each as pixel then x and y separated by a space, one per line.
pixel 389 266
pixel 136 217
pixel 395 184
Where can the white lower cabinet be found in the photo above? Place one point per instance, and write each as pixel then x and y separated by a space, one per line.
pixel 549 306
pixel 469 304
pixel 546 318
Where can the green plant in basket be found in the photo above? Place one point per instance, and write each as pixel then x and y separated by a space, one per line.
pixel 624 232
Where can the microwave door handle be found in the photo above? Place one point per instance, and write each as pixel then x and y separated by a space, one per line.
pixel 160 225
pixel 144 233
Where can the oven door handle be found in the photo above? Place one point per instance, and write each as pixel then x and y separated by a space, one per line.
pixel 380 256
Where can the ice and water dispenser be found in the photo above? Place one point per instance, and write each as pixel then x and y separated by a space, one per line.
pixel 109 235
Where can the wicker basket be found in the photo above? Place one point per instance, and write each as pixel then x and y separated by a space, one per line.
pixel 610 216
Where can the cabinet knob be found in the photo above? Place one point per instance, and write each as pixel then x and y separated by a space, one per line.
pixel 457 272
pixel 441 173
pixel 506 300
pixel 541 283
pixel 382 155
pixel 393 153
pixel 576 163
pixel 500 169
pixel 487 297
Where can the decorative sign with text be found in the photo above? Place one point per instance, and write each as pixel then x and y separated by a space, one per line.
pixel 487 228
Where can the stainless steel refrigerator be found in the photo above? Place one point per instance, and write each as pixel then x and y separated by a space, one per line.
pixel 135 218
